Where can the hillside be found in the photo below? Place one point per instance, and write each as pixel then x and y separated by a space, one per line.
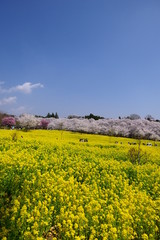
pixel 139 128
pixel 120 127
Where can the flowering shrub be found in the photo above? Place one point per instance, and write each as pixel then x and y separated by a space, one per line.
pixel 54 185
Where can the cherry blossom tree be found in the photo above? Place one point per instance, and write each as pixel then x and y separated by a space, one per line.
pixel 28 121
pixel 8 121
pixel 44 123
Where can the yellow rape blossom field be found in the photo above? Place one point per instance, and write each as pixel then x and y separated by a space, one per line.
pixel 52 186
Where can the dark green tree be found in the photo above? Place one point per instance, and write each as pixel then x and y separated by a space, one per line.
pixel 56 115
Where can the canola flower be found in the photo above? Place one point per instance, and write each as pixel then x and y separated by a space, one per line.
pixel 53 185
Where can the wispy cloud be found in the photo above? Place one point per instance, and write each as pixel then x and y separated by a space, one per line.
pixel 2 90
pixel 26 88
pixel 9 100
pixel 20 110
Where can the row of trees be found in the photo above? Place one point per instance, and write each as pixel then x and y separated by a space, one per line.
pixel 25 121
pixel 139 128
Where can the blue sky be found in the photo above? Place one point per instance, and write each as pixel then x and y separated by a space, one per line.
pixel 80 57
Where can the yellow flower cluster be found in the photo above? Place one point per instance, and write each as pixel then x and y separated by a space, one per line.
pixel 55 187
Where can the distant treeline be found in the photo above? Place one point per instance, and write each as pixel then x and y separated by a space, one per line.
pixel 49 115
pixel 92 116
pixel 132 126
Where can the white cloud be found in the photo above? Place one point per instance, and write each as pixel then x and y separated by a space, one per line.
pixel 27 87
pixel 9 100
